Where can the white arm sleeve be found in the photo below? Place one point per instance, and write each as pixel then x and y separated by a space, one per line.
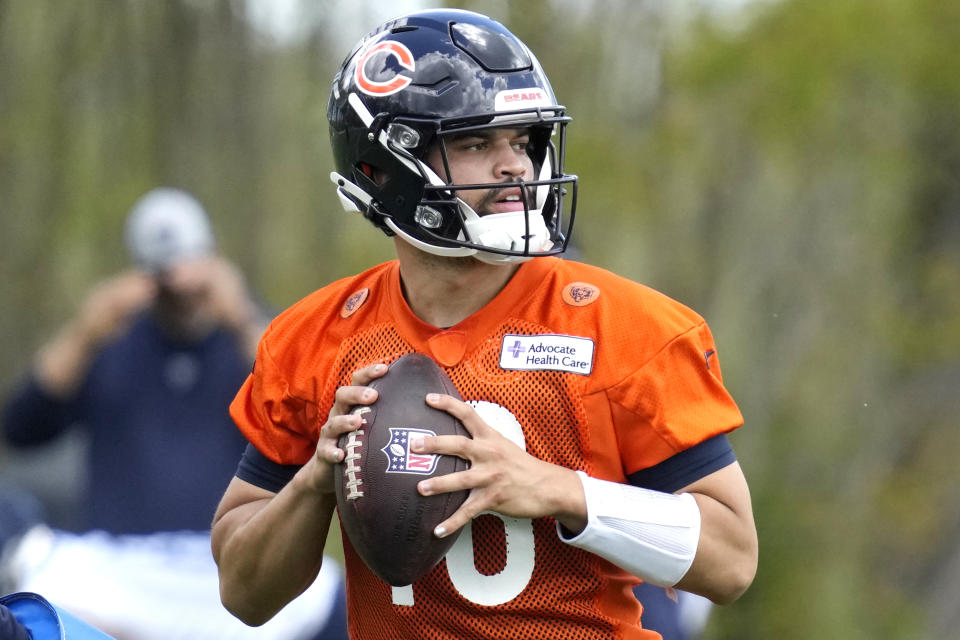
pixel 651 534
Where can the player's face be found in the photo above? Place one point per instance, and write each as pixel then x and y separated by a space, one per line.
pixel 494 155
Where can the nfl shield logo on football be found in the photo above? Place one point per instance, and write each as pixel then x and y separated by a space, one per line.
pixel 401 459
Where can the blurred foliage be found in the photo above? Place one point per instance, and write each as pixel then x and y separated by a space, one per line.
pixel 790 171
pixel 803 172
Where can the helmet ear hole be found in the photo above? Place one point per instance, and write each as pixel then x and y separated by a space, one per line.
pixel 364 179
pixel 374 177
pixel 539 144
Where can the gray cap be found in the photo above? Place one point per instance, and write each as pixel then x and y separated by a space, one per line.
pixel 166 226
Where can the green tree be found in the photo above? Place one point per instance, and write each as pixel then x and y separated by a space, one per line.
pixel 799 188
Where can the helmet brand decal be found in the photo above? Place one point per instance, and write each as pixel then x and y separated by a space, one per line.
pixel 386 87
pixel 521 99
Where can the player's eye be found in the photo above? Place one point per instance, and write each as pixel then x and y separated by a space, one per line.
pixel 472 144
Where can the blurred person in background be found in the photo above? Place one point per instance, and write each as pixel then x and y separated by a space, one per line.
pixel 148 366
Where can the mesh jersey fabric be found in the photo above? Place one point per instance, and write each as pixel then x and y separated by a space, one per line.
pixel 654 388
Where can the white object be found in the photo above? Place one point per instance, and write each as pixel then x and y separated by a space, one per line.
pixel 651 534
pixel 161 586
pixel 166 226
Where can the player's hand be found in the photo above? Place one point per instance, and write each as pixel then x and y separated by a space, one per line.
pixel 502 477
pixel 339 421
pixel 112 305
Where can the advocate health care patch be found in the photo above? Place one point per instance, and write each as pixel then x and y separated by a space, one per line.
pixel 547 352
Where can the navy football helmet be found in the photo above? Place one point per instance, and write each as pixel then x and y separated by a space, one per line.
pixel 413 82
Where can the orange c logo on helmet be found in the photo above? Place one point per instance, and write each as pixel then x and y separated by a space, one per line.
pixel 385 88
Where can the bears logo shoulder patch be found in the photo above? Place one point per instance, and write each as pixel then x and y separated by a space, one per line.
pixel 580 294
pixel 354 302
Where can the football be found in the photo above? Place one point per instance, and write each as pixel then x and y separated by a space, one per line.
pixel 388 523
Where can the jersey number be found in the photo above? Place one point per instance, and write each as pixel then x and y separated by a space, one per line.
pixel 512 580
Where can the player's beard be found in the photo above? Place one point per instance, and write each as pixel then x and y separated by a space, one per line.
pixel 433 263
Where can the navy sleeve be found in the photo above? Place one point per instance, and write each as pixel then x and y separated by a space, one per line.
pixel 686 467
pixel 10 627
pixel 261 471
pixel 32 416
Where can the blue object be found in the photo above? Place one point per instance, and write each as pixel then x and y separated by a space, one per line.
pixel 163 445
pixel 10 627
pixel 46 621
pixel 660 613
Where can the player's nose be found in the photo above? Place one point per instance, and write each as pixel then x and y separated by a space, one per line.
pixel 508 163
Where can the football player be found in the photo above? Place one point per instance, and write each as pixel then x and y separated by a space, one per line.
pixel 596 405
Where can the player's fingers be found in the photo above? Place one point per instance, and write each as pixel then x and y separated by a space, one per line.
pixel 362 377
pixel 352 395
pixel 329 452
pixel 328 448
pixel 357 392
pixel 467 512
pixel 459 410
pixel 448 445
pixel 450 482
pixel 340 424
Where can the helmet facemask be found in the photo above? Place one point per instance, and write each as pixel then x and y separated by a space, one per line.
pixel 440 221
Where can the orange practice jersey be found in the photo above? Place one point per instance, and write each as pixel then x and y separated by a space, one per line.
pixel 604 375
